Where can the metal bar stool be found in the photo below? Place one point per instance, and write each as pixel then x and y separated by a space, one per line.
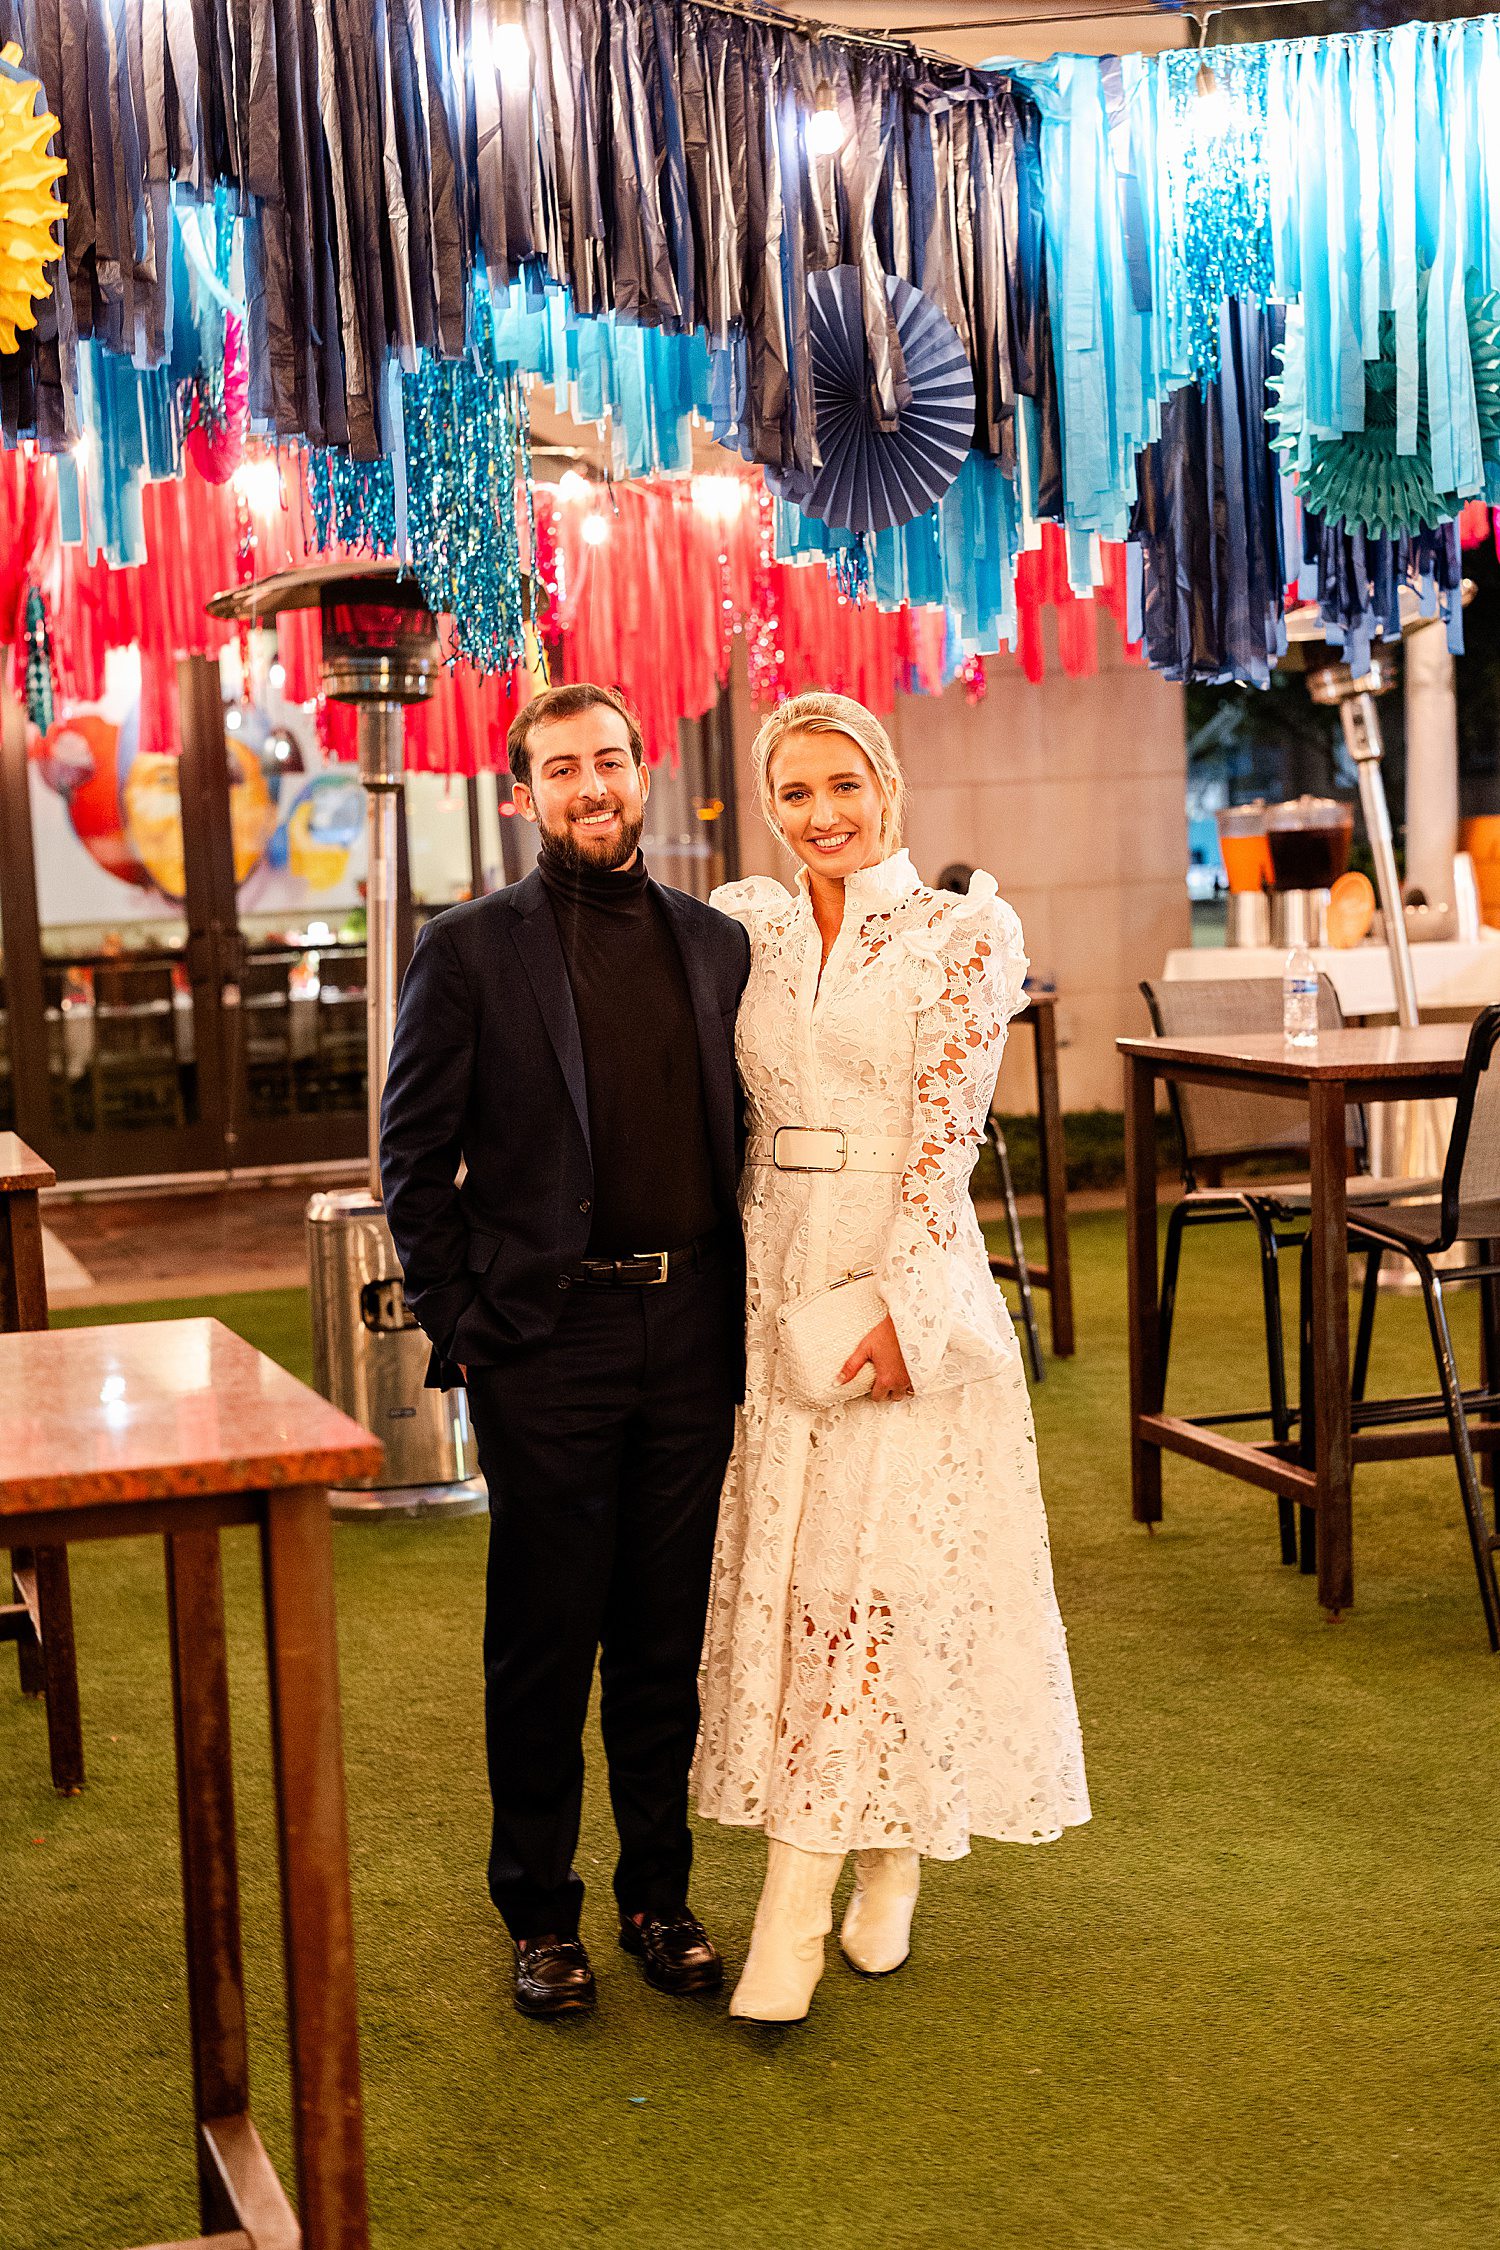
pixel 1016 1266
pixel 1214 1129
pixel 1465 1211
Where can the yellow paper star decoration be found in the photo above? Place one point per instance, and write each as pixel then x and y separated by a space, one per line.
pixel 28 208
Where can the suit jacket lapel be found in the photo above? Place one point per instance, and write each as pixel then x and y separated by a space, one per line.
pixel 540 948
pixel 715 1055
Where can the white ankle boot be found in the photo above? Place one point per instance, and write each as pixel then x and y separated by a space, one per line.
pixel 793 1917
pixel 876 1936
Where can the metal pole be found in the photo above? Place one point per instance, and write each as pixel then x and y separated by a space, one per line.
pixel 1431 762
pixel 1361 722
pixel 380 752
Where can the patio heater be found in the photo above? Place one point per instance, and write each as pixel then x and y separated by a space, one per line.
pixel 370 1358
pixel 1417 1137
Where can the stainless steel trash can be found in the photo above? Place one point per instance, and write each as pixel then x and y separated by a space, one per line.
pixel 370 1359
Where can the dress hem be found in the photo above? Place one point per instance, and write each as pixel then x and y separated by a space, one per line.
pixel 986 1835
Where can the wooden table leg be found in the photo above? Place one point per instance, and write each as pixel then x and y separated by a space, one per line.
pixel 1141 1274
pixel 59 1664
pixel 1054 1180
pixel 23 1272
pixel 28 1639
pixel 50 1669
pixel 210 1861
pixel 1329 1255
pixel 317 1913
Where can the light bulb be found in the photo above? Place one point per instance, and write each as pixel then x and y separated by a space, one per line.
pixel 719 498
pixel 498 38
pixel 1213 111
pixel 826 132
pixel 572 487
pixel 276 676
pixel 257 480
pixel 594 530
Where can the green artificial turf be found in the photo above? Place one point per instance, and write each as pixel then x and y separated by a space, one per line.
pixel 1252 2004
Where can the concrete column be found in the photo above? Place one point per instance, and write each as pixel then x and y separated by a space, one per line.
pixel 1431 763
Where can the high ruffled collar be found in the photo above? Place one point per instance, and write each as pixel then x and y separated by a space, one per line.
pixel 872 889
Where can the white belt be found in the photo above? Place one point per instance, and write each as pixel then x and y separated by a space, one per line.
pixel 809 1148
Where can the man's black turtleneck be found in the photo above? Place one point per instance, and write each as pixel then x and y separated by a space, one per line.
pixel 653 1171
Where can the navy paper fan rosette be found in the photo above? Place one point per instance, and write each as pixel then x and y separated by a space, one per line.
pixel 873 479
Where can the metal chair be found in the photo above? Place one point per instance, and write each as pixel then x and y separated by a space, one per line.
pixel 341 1038
pixel 1216 1128
pixel 994 1134
pixel 1466 1211
pixel 266 1015
pixel 133 1072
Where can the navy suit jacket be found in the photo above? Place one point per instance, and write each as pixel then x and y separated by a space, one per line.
pixel 487 1069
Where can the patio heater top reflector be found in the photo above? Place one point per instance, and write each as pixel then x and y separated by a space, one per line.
pixel 379 645
pixel 379 636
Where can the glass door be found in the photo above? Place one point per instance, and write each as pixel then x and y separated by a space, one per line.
pixel 278 935
pixel 105 1036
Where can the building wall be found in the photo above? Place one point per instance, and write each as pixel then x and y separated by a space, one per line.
pixel 1072 794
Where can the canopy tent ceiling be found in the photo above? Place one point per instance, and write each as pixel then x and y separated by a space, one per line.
pixel 974 30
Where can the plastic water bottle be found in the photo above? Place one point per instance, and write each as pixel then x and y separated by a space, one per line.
pixel 1299 999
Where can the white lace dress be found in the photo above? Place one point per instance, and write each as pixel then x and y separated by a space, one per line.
pixel 885 1663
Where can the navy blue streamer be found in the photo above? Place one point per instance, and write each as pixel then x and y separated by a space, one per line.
pixel 656 166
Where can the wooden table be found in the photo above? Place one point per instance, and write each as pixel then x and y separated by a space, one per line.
pixel 179 1427
pixel 39 1617
pixel 1056 1276
pixel 1344 1067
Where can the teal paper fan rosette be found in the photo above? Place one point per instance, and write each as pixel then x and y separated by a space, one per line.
pixel 1360 480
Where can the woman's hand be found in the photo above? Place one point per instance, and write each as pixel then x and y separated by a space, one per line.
pixel 883 1352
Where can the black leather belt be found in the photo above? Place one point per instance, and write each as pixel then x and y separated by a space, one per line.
pixel 643 1269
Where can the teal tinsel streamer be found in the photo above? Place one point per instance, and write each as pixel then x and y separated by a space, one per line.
pixel 463 425
pixel 353 502
pixel 461 508
pixel 850 568
pixel 1213 157
pixel 39 682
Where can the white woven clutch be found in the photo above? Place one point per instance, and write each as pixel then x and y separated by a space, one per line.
pixel 819 1332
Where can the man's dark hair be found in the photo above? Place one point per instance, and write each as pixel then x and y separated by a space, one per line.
pixel 565 703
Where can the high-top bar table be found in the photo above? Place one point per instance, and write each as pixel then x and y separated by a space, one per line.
pixel 179 1427
pixel 1344 1067
pixel 1056 1276
pixel 39 1619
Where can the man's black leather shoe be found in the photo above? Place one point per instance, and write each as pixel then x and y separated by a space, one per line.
pixel 553 1978
pixel 676 1951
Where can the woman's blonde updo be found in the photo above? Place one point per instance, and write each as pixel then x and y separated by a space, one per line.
pixel 818 713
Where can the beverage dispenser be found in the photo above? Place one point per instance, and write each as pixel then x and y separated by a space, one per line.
pixel 1309 839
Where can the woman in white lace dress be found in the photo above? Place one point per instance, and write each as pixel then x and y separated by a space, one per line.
pixel 885 1668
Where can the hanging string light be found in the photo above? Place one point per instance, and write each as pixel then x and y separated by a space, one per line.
pixel 510 49
pixel 826 130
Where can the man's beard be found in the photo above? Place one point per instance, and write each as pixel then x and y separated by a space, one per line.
pixel 566 848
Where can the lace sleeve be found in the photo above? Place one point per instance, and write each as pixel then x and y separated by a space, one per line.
pixel 750 901
pixel 977 967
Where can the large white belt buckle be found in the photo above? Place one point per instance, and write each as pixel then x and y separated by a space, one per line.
pixel 807 1148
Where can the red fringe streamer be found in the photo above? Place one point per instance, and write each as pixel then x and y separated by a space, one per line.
pixel 653 581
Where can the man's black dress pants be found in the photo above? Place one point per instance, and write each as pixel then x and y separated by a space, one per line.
pixel 604 1450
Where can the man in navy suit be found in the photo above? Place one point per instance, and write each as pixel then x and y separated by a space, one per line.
pixel 570 1042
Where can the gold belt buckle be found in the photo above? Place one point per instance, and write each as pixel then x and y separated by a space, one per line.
pixel 662 1273
pixel 820 1130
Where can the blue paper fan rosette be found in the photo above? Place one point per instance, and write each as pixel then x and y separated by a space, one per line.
pixel 873 479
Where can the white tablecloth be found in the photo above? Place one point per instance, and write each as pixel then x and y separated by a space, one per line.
pixel 1449 974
